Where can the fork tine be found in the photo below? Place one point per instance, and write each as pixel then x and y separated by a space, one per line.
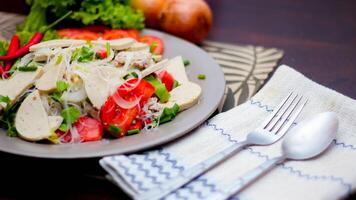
pixel 275 111
pixel 281 113
pixel 293 116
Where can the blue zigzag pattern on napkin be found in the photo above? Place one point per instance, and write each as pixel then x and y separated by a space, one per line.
pixel 132 177
pixel 198 193
pixel 145 171
pixel 299 173
pixel 154 164
pixel 268 109
pixel 170 160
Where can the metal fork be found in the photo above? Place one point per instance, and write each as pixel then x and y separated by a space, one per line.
pixel 270 131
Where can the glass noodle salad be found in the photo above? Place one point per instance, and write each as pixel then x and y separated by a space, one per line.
pixel 72 91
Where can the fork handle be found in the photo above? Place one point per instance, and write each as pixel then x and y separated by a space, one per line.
pixel 247 179
pixel 188 175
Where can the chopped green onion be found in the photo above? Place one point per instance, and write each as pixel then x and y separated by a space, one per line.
pixel 175 84
pixel 133 131
pixel 107 45
pixel 160 89
pixel 153 46
pixel 114 129
pixel 27 69
pixel 201 76
pixel 89 44
pixel 186 62
pixel 59 59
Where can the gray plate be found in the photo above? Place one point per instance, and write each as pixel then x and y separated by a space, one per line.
pixel 213 89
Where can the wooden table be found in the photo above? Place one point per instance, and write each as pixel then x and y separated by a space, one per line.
pixel 318 37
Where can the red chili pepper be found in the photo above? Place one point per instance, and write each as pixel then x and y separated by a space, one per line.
pixel 36 38
pixel 13 47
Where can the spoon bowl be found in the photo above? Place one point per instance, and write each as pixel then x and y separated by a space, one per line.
pixel 311 136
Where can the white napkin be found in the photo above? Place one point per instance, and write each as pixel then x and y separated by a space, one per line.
pixel 329 176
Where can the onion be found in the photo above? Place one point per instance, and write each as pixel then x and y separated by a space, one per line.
pixel 151 10
pixel 189 19
pixel 122 103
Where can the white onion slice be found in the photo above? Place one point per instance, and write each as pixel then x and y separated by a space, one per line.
pixel 122 103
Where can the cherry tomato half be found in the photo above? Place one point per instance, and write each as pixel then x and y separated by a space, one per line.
pixel 155 43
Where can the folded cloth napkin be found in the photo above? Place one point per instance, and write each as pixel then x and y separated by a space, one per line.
pixel 329 176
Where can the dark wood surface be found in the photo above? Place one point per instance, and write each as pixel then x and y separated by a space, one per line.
pixel 318 37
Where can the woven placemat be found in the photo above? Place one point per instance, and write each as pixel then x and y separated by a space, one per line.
pixel 246 67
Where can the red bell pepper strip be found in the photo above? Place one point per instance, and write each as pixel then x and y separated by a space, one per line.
pixel 13 47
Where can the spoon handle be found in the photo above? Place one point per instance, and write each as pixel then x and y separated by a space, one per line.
pixel 188 175
pixel 247 179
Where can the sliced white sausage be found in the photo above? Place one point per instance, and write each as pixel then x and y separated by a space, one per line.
pixel 55 122
pixel 18 84
pixel 54 72
pixel 138 46
pixel 97 89
pixel 118 44
pixel 156 67
pixel 176 68
pixel 185 95
pixel 31 120
pixel 57 43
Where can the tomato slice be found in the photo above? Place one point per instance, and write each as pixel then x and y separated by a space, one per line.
pixel 78 34
pixel 120 33
pixel 89 129
pixel 112 114
pixel 167 79
pixel 102 54
pixel 154 42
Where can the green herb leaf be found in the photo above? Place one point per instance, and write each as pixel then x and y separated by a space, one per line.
pixel 28 68
pixel 169 114
pixel 62 86
pixel 175 84
pixel 4 45
pixel 70 115
pixel 5 99
pixel 59 59
pixel 133 131
pixel 84 54
pixel 201 76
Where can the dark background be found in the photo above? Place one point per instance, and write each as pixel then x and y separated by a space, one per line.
pixel 319 40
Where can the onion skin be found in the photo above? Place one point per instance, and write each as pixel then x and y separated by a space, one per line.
pixel 189 19
pixel 151 9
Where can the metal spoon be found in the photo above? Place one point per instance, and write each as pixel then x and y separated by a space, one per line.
pixel 306 140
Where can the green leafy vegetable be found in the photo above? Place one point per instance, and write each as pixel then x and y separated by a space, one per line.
pixel 28 68
pixel 175 84
pixel 160 89
pixel 70 115
pixel 109 12
pixel 5 99
pixel 201 76
pixel 62 86
pixel 84 54
pixel 133 131
pixel 169 114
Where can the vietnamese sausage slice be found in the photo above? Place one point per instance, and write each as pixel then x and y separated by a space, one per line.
pixel 118 44
pixel 55 122
pixel 18 84
pixel 57 43
pixel 54 72
pixel 31 120
pixel 185 95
